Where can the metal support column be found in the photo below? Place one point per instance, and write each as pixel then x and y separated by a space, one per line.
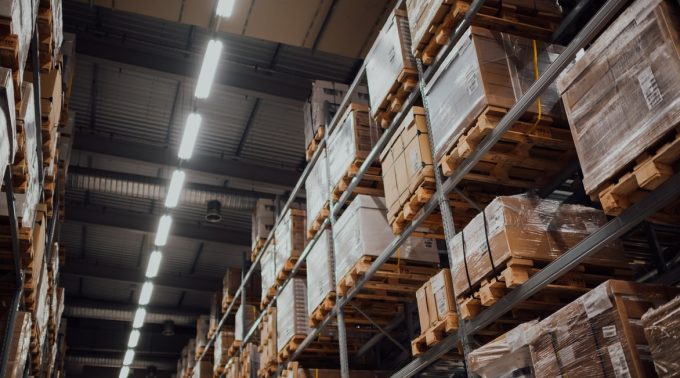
pixel 35 69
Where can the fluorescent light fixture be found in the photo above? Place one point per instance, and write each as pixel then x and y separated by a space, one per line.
pixel 163 230
pixel 134 338
pixel 129 356
pixel 175 189
pixel 186 148
pixel 225 8
pixel 138 322
pixel 208 69
pixel 145 295
pixel 154 264
pixel 124 372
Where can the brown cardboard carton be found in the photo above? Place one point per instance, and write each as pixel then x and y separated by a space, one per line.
pixel 431 304
pixel 423 309
pixel 662 331
pixel 442 289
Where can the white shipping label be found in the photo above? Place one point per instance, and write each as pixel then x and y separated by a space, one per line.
pixel 650 88
pixel 596 301
pixel 618 359
pixel 609 331
pixel 415 162
pixel 471 81
pixel 439 292
pixel 567 355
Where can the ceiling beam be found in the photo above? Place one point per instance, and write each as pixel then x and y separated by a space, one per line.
pixel 115 360
pixel 148 223
pixel 82 268
pixel 81 308
pixel 168 157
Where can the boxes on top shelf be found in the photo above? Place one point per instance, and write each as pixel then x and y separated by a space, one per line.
pixel 391 70
pixel 348 147
pixel 17 20
pixel 662 331
pixel 478 82
pixel 320 279
pixel 622 99
pixel 321 107
pixel 514 237
pixel 432 21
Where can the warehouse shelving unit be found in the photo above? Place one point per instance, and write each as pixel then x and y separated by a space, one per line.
pixel 611 231
pixel 17 304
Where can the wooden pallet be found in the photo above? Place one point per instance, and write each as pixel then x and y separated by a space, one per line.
pixel 517 271
pixel 527 156
pixel 318 221
pixel 320 312
pixel 434 334
pixel 396 280
pixel 287 268
pixel 649 171
pixel 370 184
pixel 406 82
pixel 268 296
pixel 290 347
pixel 528 23
pixel 268 370
pixel 257 248
pixel 314 143
pixel 233 348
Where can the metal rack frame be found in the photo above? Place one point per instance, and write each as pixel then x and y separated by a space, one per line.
pixel 612 230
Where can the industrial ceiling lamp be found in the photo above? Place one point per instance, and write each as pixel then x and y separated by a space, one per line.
pixel 213 215
pixel 168 328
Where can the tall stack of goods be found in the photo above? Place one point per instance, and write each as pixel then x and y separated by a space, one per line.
pixel 268 348
pixel 223 341
pixel 622 98
pixel 290 238
pixel 249 361
pixel 263 219
pixel 322 106
pixel 320 279
pixel 268 272
pixel 317 192
pixel 245 316
pixel 391 70
pixel 291 317
pixel 513 238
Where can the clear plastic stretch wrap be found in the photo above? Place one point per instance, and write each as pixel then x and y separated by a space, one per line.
pixel 662 330
pixel 26 121
pixel 291 312
pixel 320 280
pixel 263 219
pixel 41 314
pixel 507 356
pixel 623 94
pixel 322 105
pixel 391 53
pixel 290 237
pixel 524 227
pixel 223 340
pixel 7 119
pixel 317 190
pixel 241 329
pixel 202 326
pixel 595 336
pixel 362 230
pixel 21 15
pixel 484 69
pixel 268 269
pixel 20 345
pixel 203 369
pixel 352 140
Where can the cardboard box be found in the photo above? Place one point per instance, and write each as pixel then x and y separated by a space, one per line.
pixel 431 304
pixel 290 234
pixel 320 280
pixel 622 96
pixel 291 314
pixel 442 291
pixel 662 331
pixel 423 310
pixel 506 356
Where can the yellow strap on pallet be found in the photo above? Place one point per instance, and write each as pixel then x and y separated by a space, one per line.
pixel 316 373
pixel 536 76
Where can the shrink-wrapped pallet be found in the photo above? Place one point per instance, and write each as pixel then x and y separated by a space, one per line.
pixel 268 271
pixel 320 279
pixel 317 190
pixel 290 235
pixel 263 219
pixel 21 15
pixel 388 62
pixel 291 312
pixel 324 102
pixel 202 326
pixel 485 69
pixel 623 94
pixel 595 336
pixel 203 369
pixel 523 227
pixel 350 142
pixel 662 330
pixel 223 340
pixel 505 357
pixel 247 313
pixel 19 345
pixel 362 230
